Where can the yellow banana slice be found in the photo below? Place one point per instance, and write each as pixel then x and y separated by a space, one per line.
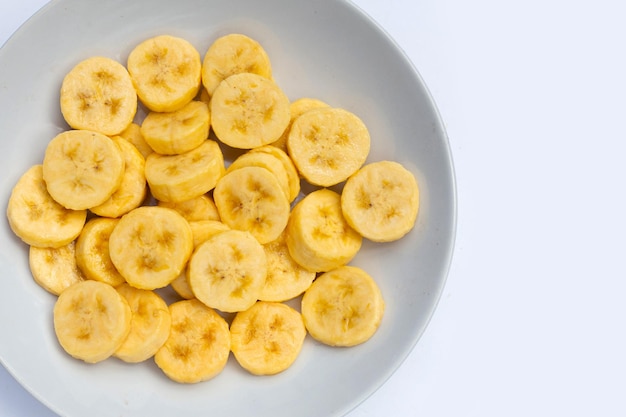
pixel 82 169
pixel 296 109
pixel 198 346
pixel 267 338
pixel 252 200
pixel 98 94
pixel 293 177
pixel 267 161
pixel 133 134
pixel 248 111
pixel 150 246
pixel 166 72
pixel 233 54
pixel 55 269
pixel 178 131
pixel 285 278
pixel 132 190
pixel 36 218
pixel 228 270
pixel 176 178
pixel 92 251
pixel 91 320
pixel 149 326
pixel 327 145
pixel 381 201
pixel 196 209
pixel 343 307
pixel 318 236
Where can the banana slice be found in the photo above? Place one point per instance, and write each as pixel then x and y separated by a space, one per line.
pixel 267 338
pixel 178 131
pixel 198 346
pixel 166 72
pixel 251 199
pixel 55 269
pixel 92 251
pixel 82 169
pixel 98 94
pixel 133 134
pixel 149 326
pixel 36 218
pixel 343 307
pixel 248 111
pixel 91 320
pixel 228 270
pixel 196 209
pixel 233 54
pixel 267 161
pixel 133 188
pixel 381 201
pixel 318 236
pixel 285 278
pixel 327 145
pixel 150 246
pixel 176 178
pixel 293 178
pixel 296 109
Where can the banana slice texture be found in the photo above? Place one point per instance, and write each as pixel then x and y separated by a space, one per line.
pixel 198 345
pixel 132 190
pixel 133 134
pixel 179 131
pixel 150 246
pixel 293 177
pixel 36 218
pixel 318 236
pixel 296 109
pixel 91 320
pixel 149 326
pixel 55 269
pixel 177 178
pixel 248 111
pixel 228 270
pixel 327 145
pixel 82 168
pixel 166 72
pixel 343 307
pixel 233 54
pixel 92 251
pixel 267 161
pixel 195 209
pixel 251 199
pixel 98 94
pixel 381 201
pixel 267 338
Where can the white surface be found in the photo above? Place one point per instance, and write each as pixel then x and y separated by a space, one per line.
pixel 532 318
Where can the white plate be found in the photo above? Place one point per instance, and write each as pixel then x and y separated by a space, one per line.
pixel 329 50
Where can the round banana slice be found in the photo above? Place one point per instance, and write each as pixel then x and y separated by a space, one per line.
pixel 92 251
pixel 296 109
pixel 91 320
pixel 327 145
pixel 267 338
pixel 248 111
pixel 198 346
pixel 177 178
pixel 133 134
pixel 293 178
pixel 36 218
pixel 55 269
pixel 150 246
pixel 98 94
pixel 318 236
pixel 166 72
pixel 343 307
pixel 149 326
pixel 267 161
pixel 233 54
pixel 196 209
pixel 228 270
pixel 381 201
pixel 82 169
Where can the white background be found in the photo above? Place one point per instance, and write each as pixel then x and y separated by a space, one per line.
pixel 533 317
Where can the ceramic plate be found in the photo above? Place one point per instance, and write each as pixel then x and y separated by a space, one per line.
pixel 329 50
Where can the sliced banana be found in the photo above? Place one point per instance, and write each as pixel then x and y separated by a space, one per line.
pixel 248 111
pixel 133 134
pixel 267 161
pixel 293 177
pixel 36 218
pixel 91 320
pixel 166 72
pixel 82 169
pixel 196 209
pixel 98 94
pixel 381 201
pixel 55 269
pixel 267 338
pixel 327 145
pixel 92 251
pixel 198 346
pixel 296 109
pixel 343 307
pixel 318 236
